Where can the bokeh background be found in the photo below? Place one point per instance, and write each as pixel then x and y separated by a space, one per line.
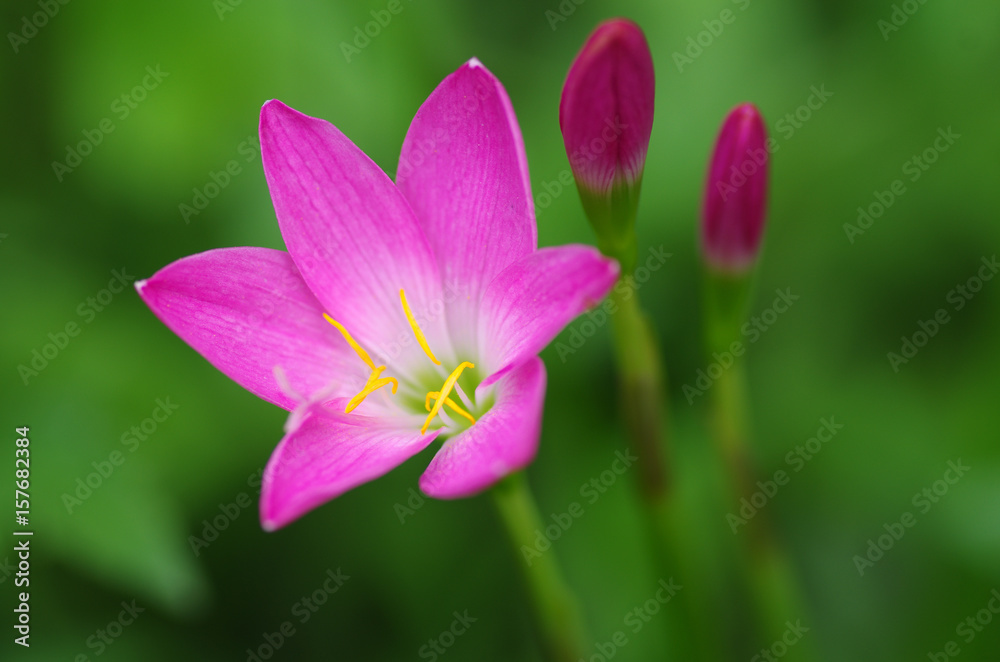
pixel 61 237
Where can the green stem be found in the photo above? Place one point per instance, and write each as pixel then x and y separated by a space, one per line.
pixel 642 383
pixel 557 614
pixel 612 214
pixel 770 578
pixel 693 630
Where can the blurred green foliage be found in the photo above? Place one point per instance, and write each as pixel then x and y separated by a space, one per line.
pixel 827 356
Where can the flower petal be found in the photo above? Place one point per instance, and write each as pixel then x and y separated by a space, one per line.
pixel 464 171
pixel 327 455
pixel 248 310
pixel 528 304
pixel 502 441
pixel 351 233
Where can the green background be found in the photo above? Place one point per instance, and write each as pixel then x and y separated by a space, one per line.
pixel 827 356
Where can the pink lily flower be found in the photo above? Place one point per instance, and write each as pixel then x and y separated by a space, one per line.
pixel 606 110
pixel 733 212
pixel 401 313
pixel 606 117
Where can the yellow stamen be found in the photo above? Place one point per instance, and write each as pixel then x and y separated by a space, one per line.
pixel 373 384
pixel 445 390
pixel 435 395
pixel 416 329
pixel 350 341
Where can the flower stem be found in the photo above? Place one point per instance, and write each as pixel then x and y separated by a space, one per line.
pixel 770 579
pixel 642 382
pixel 558 619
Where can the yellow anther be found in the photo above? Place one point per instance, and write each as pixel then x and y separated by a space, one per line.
pixel 445 390
pixel 350 341
pixel 435 395
pixel 373 384
pixel 416 329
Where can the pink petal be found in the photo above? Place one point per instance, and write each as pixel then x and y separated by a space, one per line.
pixel 352 235
pixel 528 304
pixel 606 110
pixel 327 455
pixel 502 441
pixel 247 310
pixel 464 171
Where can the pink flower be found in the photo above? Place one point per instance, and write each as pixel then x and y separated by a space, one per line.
pixel 401 313
pixel 606 110
pixel 736 192
pixel 606 116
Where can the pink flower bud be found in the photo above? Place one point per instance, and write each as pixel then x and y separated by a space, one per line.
pixel 606 111
pixel 736 192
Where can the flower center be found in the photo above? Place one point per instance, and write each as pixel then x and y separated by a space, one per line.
pixel 375 382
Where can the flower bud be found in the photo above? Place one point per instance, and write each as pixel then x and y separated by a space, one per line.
pixel 606 117
pixel 736 193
